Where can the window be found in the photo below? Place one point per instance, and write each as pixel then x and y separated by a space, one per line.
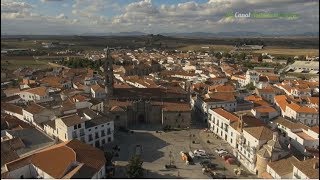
pixel 109 139
pixel 96 127
pixel 90 137
pixel 75 127
pixel 102 125
pixel 108 131
pixel 96 135
pixel 103 141
pixel 102 133
pixel 89 129
pixel 79 125
pixel 82 139
pixel 65 135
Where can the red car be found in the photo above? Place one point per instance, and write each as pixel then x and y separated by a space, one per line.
pixel 226 157
pixel 231 160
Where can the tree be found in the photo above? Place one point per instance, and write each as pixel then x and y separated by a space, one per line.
pixel 290 60
pixel 135 169
pixel 250 86
pixel 260 58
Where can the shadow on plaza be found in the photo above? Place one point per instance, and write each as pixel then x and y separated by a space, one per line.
pixel 129 141
pixel 121 173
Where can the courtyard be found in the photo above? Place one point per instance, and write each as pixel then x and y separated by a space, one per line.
pixel 156 147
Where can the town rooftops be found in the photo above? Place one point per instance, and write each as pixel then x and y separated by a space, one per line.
pixel 259 132
pixel 40 91
pixel 283 166
pixel 265 109
pixel 11 108
pixel 61 157
pixel 302 109
pixel 34 108
pixel 288 124
pixel 71 120
pixel 174 106
pixel 315 129
pixel 219 97
pixel 307 167
pixel 230 116
pixel 96 121
pixel 97 88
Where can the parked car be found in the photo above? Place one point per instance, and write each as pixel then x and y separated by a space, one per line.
pixel 199 151
pixel 191 154
pixel 220 151
pixel 208 164
pixel 227 156
pixel 223 154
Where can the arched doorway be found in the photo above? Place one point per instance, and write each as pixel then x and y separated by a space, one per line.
pixel 141 118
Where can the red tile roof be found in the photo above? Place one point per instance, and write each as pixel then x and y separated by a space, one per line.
pixel 230 116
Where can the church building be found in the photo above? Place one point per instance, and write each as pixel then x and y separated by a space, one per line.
pixel 166 106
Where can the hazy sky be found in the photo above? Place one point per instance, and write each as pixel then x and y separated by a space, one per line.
pixel 154 16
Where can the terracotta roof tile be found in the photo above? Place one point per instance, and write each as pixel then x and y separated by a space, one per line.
pixel 12 108
pixel 306 167
pixel 289 124
pixel 260 132
pixel 230 116
pixel 61 157
pixel 315 129
pixel 280 169
pixel 265 109
pixel 34 108
pixel 41 91
pixel 71 120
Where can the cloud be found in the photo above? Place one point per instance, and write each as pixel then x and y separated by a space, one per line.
pixel 145 15
pixel 14 6
pixel 43 1
pixel 61 16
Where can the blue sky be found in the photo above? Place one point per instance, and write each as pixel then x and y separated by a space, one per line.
pixel 153 16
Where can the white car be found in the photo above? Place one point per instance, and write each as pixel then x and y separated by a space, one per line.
pixel 220 151
pixel 199 151
pixel 191 154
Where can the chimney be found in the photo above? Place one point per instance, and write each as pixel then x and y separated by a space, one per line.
pixel 275 136
pixel 316 165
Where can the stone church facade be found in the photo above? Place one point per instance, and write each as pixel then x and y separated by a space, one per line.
pixel 132 106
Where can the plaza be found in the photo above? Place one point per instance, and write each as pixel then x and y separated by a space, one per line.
pixel 157 145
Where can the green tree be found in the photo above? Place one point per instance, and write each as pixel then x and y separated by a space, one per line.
pixel 226 55
pixel 135 169
pixel 290 60
pixel 218 55
pixel 260 58
pixel 250 86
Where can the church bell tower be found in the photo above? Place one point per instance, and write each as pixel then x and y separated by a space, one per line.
pixel 108 73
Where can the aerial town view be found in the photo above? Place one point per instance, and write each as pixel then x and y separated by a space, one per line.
pixel 159 89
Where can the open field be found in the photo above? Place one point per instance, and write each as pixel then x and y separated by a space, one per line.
pixel 287 51
pixel 205 47
pixel 23 61
pixel 156 41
